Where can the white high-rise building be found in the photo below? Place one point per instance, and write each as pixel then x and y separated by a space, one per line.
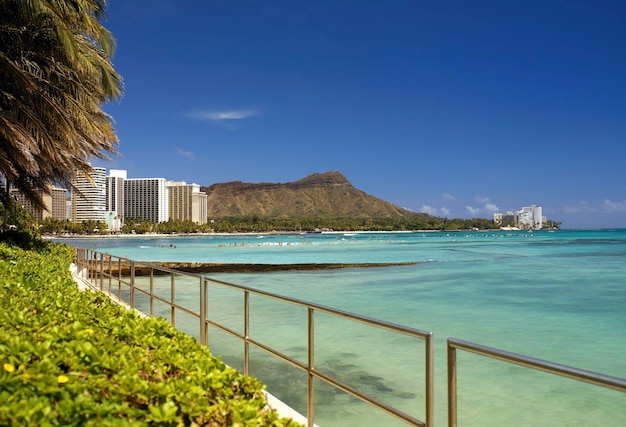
pixel 145 199
pixel 89 196
pixel 530 217
pixel 186 202
pixel 115 199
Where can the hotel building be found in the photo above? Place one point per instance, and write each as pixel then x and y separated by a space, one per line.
pixel 89 196
pixel 528 218
pixel 186 202
pixel 115 199
pixel 38 214
pixel 58 210
pixel 145 199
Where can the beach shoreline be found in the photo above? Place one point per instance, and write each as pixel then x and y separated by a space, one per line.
pixel 224 234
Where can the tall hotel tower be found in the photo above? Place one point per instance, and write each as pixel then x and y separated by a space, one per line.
pixel 186 202
pixel 59 203
pixel 54 203
pixel 145 199
pixel 89 196
pixel 115 199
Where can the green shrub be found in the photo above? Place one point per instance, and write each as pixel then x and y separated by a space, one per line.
pixel 75 358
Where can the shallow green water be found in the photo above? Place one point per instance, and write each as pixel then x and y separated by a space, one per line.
pixel 559 296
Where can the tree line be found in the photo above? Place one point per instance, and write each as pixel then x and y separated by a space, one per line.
pixel 255 224
pixel 261 224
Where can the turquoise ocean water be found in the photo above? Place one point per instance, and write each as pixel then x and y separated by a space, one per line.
pixel 558 296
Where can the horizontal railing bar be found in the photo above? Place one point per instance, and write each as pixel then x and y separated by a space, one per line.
pixel 225 329
pixel 278 354
pixel 322 376
pixel 176 306
pixel 257 344
pixel 542 365
pixel 412 332
pixel 381 405
pixel 158 298
pixel 167 269
pixel 338 384
pixel 328 310
pixel 155 267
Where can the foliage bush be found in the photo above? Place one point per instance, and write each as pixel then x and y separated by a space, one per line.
pixel 71 357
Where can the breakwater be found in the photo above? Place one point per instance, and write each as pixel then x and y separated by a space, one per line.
pixel 207 267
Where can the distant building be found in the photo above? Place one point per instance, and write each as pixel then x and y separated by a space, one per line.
pixel 528 218
pixel 37 213
pixel 54 200
pixel 145 199
pixel 89 196
pixel 504 219
pixel 186 202
pixel 58 209
pixel 115 199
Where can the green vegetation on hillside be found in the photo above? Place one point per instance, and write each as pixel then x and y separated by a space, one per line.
pixel 71 357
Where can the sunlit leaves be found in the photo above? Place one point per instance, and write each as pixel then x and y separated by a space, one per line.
pixel 75 358
pixel 55 72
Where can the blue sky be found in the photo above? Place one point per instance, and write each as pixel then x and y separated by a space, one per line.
pixel 453 108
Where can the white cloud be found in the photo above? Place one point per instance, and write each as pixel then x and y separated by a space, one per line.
pixel 226 115
pixel 607 206
pixel 428 210
pixel 447 196
pixel 488 208
pixel 445 211
pixel 472 211
pixel 611 206
pixel 582 206
pixel 184 153
pixel 491 207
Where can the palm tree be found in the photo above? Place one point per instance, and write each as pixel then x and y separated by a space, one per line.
pixel 55 73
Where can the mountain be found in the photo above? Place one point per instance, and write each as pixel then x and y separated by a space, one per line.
pixel 327 193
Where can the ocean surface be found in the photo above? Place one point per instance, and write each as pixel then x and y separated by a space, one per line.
pixel 558 296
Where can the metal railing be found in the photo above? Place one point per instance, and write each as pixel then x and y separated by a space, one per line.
pixel 103 270
pixel 595 378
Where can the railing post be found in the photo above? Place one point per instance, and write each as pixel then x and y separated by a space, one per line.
pixel 119 271
pixel 246 332
pixel 452 404
pixel 310 396
pixel 91 268
pixel 151 292
pixel 119 282
pixel 430 381
pixel 110 272
pixel 132 279
pixel 101 268
pixel 172 295
pixel 206 312
pixel 202 331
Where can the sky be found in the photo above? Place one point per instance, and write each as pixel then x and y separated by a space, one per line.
pixel 454 108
